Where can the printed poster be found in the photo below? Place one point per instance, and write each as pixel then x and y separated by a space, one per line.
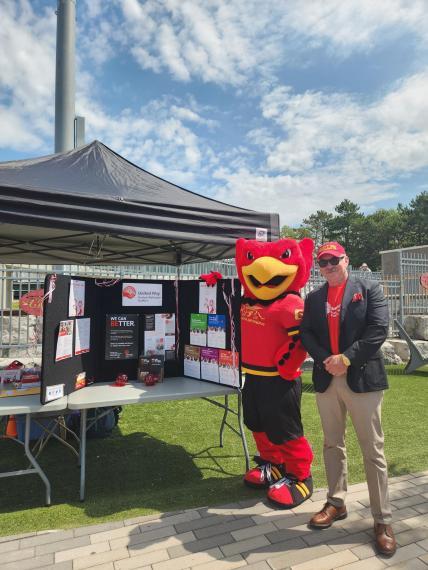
pixel 192 364
pixel 64 344
pixel 121 337
pixel 82 336
pixel 142 294
pixel 209 364
pixel 198 329
pixel 216 331
pixel 228 363
pixel 159 334
pixel 76 299
pixel 207 298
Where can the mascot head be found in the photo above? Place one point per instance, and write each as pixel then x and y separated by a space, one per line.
pixel 269 269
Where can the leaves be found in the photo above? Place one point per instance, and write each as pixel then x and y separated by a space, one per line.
pixel 364 236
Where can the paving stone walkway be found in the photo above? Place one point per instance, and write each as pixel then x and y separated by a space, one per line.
pixel 248 535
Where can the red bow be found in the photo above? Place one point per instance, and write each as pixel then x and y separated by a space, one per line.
pixel 357 297
pixel 211 278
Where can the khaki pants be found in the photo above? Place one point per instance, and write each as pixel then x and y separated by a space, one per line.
pixel 365 412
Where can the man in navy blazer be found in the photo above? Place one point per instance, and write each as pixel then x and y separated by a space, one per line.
pixel 345 323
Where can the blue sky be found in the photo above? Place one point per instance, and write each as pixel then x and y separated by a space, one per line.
pixel 283 106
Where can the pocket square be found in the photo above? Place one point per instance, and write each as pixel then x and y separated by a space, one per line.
pixel 357 297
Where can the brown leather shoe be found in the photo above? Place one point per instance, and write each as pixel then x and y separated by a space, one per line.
pixel 385 539
pixel 327 515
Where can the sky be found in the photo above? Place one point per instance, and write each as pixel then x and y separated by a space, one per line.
pixel 286 106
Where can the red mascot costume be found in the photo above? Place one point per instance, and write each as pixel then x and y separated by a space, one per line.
pixel 272 275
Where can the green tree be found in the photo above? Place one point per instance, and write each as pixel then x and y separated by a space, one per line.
pixel 415 218
pixel 376 232
pixel 343 227
pixel 318 226
pixel 295 233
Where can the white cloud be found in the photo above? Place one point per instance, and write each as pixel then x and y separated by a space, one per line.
pixel 228 42
pixel 296 197
pixel 331 147
pixel 356 24
pixel 155 137
pixel 309 146
pixel 217 41
pixel 27 65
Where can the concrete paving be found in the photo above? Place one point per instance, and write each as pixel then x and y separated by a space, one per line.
pixel 249 534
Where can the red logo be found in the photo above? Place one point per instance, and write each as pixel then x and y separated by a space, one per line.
pixel 357 297
pixel 424 280
pixel 129 291
pixel 32 303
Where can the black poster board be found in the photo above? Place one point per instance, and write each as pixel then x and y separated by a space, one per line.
pixel 104 298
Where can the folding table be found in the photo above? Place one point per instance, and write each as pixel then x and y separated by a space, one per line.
pixel 102 395
pixel 30 406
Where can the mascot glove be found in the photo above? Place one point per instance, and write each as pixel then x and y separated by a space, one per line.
pixel 211 278
pixel 289 358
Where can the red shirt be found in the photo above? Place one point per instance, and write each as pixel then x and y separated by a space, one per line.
pixel 334 303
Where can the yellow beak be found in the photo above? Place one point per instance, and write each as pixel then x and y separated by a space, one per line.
pixel 267 277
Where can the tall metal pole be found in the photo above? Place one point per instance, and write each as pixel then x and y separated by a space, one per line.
pixel 65 75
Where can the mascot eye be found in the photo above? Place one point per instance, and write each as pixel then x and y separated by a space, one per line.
pixel 286 254
pixel 250 256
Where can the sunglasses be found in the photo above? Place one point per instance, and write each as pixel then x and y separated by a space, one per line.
pixel 331 261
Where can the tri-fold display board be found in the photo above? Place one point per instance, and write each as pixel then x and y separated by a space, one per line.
pixel 94 330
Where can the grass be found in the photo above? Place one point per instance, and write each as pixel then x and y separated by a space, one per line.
pixel 165 456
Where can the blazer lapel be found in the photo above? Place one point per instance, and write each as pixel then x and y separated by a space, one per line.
pixel 347 298
pixel 323 311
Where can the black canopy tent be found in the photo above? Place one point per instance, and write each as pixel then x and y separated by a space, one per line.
pixel 92 206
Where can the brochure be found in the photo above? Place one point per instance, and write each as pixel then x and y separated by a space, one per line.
pixel 217 331
pixel 192 365
pixel 82 336
pixel 209 364
pixel 151 365
pixel 207 298
pixel 64 344
pixel 198 329
pixel 80 381
pixel 229 367
pixel 76 299
pixel 159 334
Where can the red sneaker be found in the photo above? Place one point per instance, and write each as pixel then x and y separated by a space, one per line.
pixel 263 475
pixel 288 493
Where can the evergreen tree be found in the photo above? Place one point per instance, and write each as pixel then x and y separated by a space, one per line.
pixel 317 225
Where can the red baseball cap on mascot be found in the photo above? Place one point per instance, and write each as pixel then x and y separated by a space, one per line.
pixel 331 248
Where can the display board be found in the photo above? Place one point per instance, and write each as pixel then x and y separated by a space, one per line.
pixel 94 330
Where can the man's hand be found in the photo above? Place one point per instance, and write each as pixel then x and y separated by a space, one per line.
pixel 334 365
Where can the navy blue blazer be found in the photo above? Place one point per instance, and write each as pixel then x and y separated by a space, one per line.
pixel 364 322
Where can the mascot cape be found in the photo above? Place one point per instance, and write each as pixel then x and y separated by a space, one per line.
pixel 272 274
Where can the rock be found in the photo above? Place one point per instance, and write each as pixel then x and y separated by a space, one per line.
pixel 417 326
pixel 389 354
pixel 401 348
pixel 23 335
pixel 423 347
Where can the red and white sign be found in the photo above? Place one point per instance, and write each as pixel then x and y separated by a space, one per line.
pixel 424 280
pixel 141 295
pixel 32 302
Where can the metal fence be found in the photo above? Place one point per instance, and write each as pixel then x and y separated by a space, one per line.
pixel 21 333
pixel 413 297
